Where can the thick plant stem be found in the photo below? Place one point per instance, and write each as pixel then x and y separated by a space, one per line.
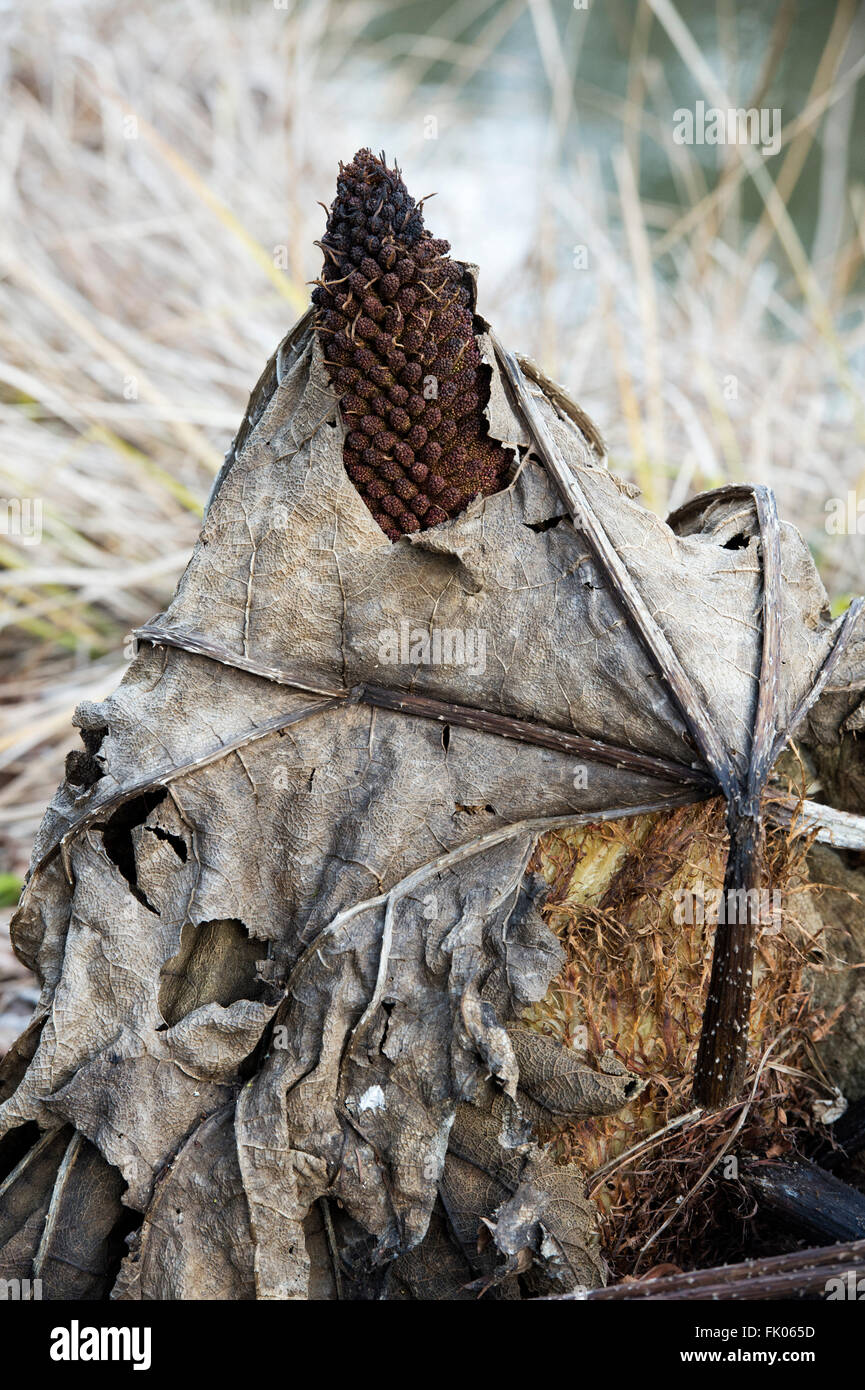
pixel 722 1054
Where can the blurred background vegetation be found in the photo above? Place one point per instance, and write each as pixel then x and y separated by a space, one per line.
pixel 160 174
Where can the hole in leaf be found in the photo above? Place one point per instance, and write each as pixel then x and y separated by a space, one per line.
pixel 738 542
pixel 547 525
pixel 216 964
pixel 117 1241
pixel 15 1144
pixel 178 844
pixel 117 838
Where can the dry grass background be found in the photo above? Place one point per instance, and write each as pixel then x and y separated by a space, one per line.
pixel 159 175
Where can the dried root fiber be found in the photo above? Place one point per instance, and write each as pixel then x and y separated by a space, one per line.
pixel 634 983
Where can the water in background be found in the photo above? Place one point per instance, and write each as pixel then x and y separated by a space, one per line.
pixel 503 96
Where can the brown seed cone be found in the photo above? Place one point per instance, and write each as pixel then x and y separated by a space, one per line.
pixel 395 315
